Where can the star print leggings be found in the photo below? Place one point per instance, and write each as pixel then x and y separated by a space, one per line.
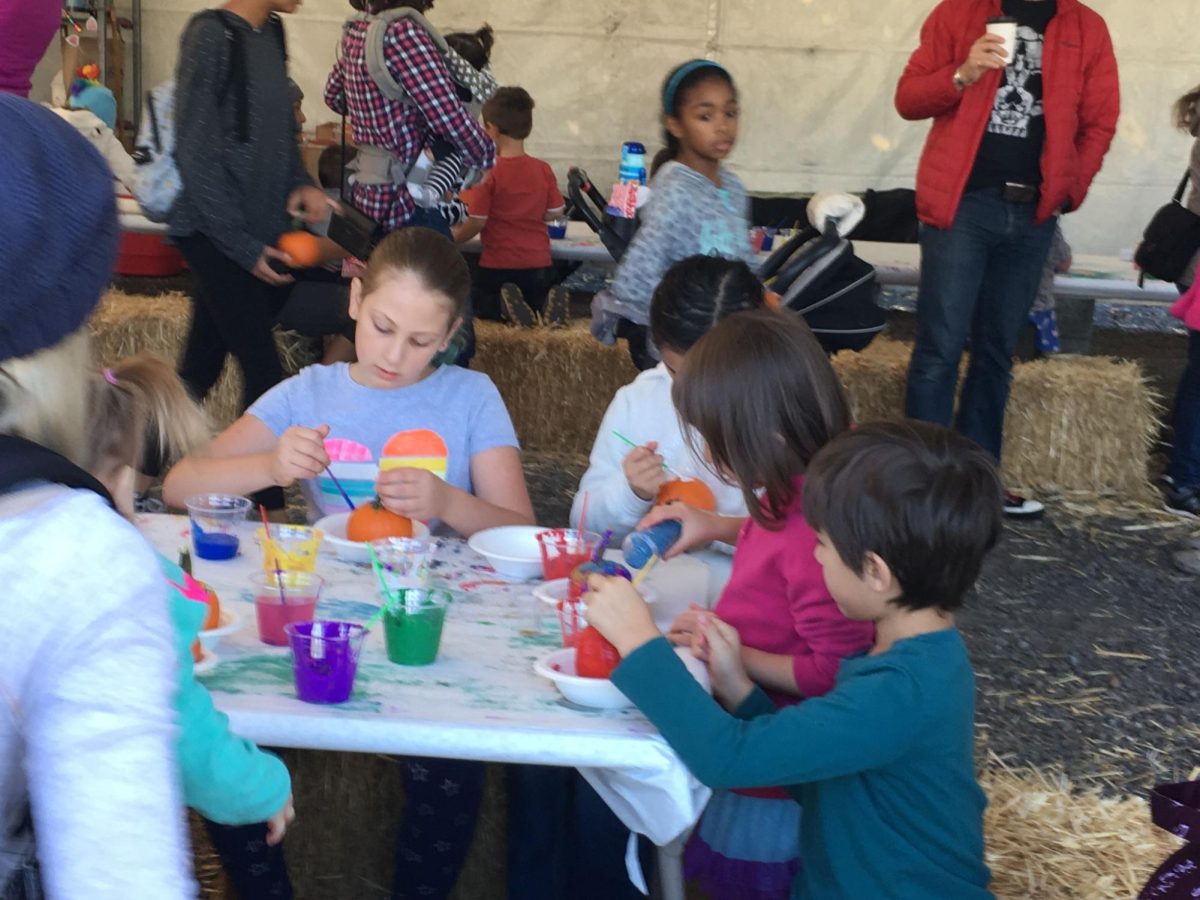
pixel 441 806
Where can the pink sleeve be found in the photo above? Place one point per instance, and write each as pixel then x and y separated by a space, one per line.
pixel 828 635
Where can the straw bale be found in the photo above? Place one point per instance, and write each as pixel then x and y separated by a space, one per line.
pixel 1077 424
pixel 342 845
pixel 1050 841
pixel 124 324
pixel 557 383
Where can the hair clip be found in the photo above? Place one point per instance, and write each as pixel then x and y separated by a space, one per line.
pixel 110 377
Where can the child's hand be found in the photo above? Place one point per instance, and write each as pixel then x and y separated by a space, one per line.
pixel 415 493
pixel 278 823
pixel 617 611
pixel 686 626
pixel 300 453
pixel 717 643
pixel 700 528
pixel 643 470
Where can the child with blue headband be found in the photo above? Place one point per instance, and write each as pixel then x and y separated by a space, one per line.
pixel 696 206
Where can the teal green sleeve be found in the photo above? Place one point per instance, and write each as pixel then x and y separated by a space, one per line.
pixel 756 704
pixel 225 778
pixel 864 723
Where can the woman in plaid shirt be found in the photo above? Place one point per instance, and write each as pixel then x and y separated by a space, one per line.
pixel 402 129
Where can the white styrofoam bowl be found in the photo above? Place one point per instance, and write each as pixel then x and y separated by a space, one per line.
pixel 554 592
pixel 208 662
pixel 512 550
pixel 228 624
pixel 334 529
pixel 601 693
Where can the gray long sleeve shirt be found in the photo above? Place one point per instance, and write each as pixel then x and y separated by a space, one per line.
pixel 234 193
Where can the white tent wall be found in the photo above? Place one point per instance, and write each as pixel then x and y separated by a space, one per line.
pixel 816 79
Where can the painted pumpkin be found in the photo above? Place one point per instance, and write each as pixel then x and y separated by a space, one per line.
pixel 372 522
pixel 302 247
pixel 595 657
pixel 690 491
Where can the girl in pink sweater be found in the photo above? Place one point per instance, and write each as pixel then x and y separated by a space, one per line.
pixel 762 396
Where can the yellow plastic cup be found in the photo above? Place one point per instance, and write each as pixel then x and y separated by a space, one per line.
pixel 291 548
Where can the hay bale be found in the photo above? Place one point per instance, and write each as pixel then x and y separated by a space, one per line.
pixel 1080 424
pixel 124 324
pixel 557 383
pixel 1050 842
pixel 342 845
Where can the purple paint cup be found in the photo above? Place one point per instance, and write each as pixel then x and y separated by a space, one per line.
pixel 325 659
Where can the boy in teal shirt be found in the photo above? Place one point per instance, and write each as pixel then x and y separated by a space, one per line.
pixel 883 764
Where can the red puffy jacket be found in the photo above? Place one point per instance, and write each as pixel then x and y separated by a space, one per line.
pixel 1081 100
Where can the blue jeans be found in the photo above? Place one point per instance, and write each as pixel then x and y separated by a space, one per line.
pixel 979 279
pixel 1185 456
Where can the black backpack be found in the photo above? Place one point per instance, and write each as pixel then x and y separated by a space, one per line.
pixel 1170 240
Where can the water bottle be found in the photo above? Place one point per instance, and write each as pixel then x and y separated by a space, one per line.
pixel 657 539
pixel 633 163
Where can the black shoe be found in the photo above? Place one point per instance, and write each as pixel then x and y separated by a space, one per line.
pixel 1183 502
pixel 1017 507
pixel 558 307
pixel 516 310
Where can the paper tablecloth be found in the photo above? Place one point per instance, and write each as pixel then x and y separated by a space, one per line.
pixel 480 700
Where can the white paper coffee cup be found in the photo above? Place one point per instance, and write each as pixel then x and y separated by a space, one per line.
pixel 1006 28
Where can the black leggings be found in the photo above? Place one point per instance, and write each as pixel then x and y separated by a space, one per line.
pixel 256 870
pixel 232 313
pixel 441 805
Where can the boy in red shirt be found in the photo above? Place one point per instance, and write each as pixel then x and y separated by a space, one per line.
pixel 511 207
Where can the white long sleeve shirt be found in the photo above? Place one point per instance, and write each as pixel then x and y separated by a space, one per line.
pixel 87 679
pixel 643 412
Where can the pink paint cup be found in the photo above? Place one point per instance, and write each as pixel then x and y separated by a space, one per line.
pixel 301 590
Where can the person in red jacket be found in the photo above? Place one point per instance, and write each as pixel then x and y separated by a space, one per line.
pixel 1018 135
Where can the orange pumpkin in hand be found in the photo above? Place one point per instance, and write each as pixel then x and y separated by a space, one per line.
pixel 302 247
pixel 687 490
pixel 372 522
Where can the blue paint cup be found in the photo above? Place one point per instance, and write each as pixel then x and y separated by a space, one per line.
pixel 215 520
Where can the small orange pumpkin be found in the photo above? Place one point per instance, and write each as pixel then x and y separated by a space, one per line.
pixel 691 491
pixel 304 248
pixel 372 522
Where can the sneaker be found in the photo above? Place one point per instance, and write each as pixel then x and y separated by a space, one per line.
pixel 1017 507
pixel 516 310
pixel 558 307
pixel 1183 502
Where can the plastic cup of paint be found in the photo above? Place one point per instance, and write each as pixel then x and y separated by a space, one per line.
pixel 412 625
pixel 557 229
pixel 274 613
pixel 563 549
pixel 292 548
pixel 215 521
pixel 404 561
pixel 325 659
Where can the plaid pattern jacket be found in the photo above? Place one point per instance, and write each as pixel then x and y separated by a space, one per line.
pixel 403 129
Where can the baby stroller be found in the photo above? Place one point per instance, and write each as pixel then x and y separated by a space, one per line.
pixel 816 272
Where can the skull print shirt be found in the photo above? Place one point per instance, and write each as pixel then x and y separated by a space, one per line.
pixel 1011 149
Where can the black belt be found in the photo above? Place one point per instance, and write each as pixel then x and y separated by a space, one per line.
pixel 1020 193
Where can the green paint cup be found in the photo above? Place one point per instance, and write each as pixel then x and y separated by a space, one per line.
pixel 412 625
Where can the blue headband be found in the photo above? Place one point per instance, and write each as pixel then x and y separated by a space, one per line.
pixel 677 79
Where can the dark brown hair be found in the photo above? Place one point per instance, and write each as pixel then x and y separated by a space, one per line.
pixel 924 499
pixel 511 110
pixel 331 165
pixel 473 46
pixel 1186 112
pixel 673 98
pixel 374 7
pixel 760 392
pixel 696 294
pixel 430 256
